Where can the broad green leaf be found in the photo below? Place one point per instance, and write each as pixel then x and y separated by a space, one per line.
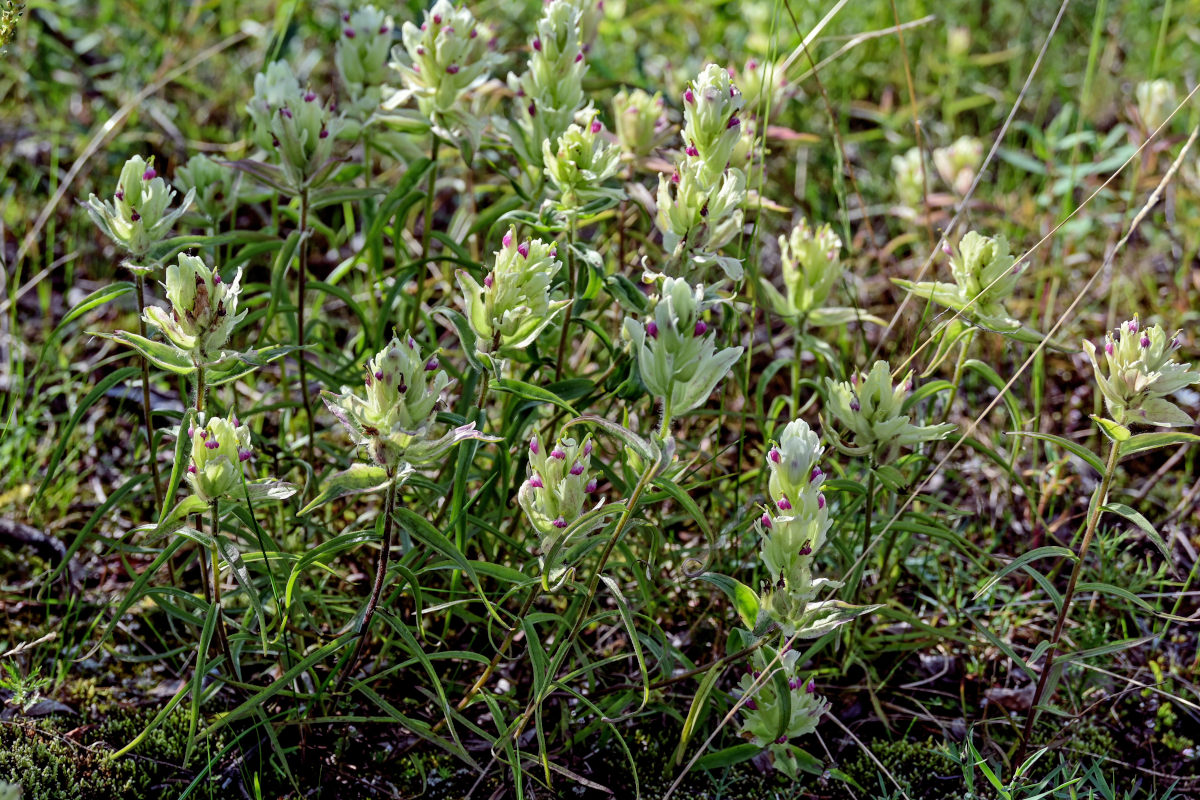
pixel 358 479
pixel 729 756
pixel 1113 430
pixel 744 599
pixel 1122 510
pixel 1142 442
pixel 1073 447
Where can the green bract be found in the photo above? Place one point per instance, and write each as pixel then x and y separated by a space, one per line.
pixel 580 163
pixel 698 218
pixel 711 127
pixel 639 120
pixel 873 412
pixel 985 274
pixel 958 163
pixel 811 264
pixel 1141 371
pixel 293 124
pixel 393 422
pixel 219 450
pixel 767 719
pixel 676 357
pixel 140 213
pixel 204 309
pixel 550 91
pixel 213 184
pixel 906 173
pixel 513 305
pixel 439 62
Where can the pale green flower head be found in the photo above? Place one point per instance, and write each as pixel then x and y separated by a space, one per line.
pixel 811 264
pixel 363 49
pixel 985 274
pixel 906 174
pixel 294 125
pixel 204 309
pixel 762 82
pixel 698 218
pixel 639 120
pixel 1139 370
pixel 795 474
pixel 958 163
pixel 580 164
pixel 218 451
pixel 441 60
pixel 763 713
pixel 213 184
pixel 393 422
pixel 550 91
pixel 513 305
pixel 590 14
pixel 559 487
pixel 872 411
pixel 140 214
pixel 676 355
pixel 711 126
pixel 1155 102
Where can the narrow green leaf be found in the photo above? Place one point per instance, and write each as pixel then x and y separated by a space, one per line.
pixel 1074 447
pixel 358 479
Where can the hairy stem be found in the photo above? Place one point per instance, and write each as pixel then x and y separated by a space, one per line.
pixel 381 566
pixel 1048 665
pixel 570 309
pixel 140 281
pixel 308 414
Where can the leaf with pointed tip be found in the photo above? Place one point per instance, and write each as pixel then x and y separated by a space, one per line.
pixel 160 354
pixel 360 478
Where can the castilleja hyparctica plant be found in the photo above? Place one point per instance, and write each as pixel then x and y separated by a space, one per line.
pixel 511 389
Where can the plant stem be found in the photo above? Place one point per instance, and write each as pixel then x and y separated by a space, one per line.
pixel 664 430
pixel 308 415
pixel 381 566
pixel 1048 665
pixel 140 281
pixel 571 278
pixel 201 389
pixel 426 232
pixel 216 586
pixel 508 638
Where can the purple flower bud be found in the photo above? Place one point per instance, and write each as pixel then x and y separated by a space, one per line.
pixel 243 455
pixel 532 109
pixel 558 453
pixel 1108 347
pixel 577 469
pixel 420 50
pixel 192 469
pixel 692 151
pixel 134 215
pixel 783 504
pixel 236 424
pixel 700 328
pixel 212 444
pixel 472 34
pixel 1145 341
pixel 345 16
pixel 383 29
pixel 752 64
pixel 310 96
pixel 120 195
pixel 287 112
pixel 350 34
pixel 688 97
pixel 452 69
pixel 812 686
pixel 203 434
pixel 775 455
pixel 946 249
pixel 217 281
pixel 766 521
pixel 432 365
pixel 149 174
pixel 816 475
pixel 806 549
pixel 652 329
pixel 536 481
pixel 523 249
pixel 591 486
pixel 378 374
pixel 733 122
pixel 560 523
pixel 437 19
pixel 324 134
pixel 820 501
pixel 488 280
pixel 578 57
pixel 587 447
pixel 507 240
pixel 793 683
pixel 1133 326
pixel 1175 343
pixel 675 176
pixel 192 432
pixel 757 674
pixel 533 445
pixel 596 126
pixel 781 740
pixel 854 405
pixel 750 704
pixel 537 45
pixel 449 29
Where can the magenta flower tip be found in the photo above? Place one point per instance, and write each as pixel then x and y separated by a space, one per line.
pixel 766 521
pixel 577 469
pixel 812 686
pixel 806 549
pixel 578 57
pixel 587 447
pixel 212 444
pixel 820 501
pixel 488 280
pixel 560 523
pixel 816 475
pixel 523 249
pixel 420 50
pixel 532 110
pixel 120 195
pixel 558 454
pixel 591 486
pixel 753 706
pixel 473 33
pixel 192 469
pixel 437 19
pixel 350 34
pixel 378 374
pixel 775 455
pixel 536 482
pixel 507 240
pixel 324 134
pixel 596 126
pixel 134 215
pixel 752 64
pixel 432 365
pixel 688 97
pixel 692 151
pixel 700 328
pixel 652 329
pixel 854 404
pixel 452 69
pixel 734 122
pixel 149 174
pixel 537 45
pixel 533 445
pixel 243 455
pixel 784 504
